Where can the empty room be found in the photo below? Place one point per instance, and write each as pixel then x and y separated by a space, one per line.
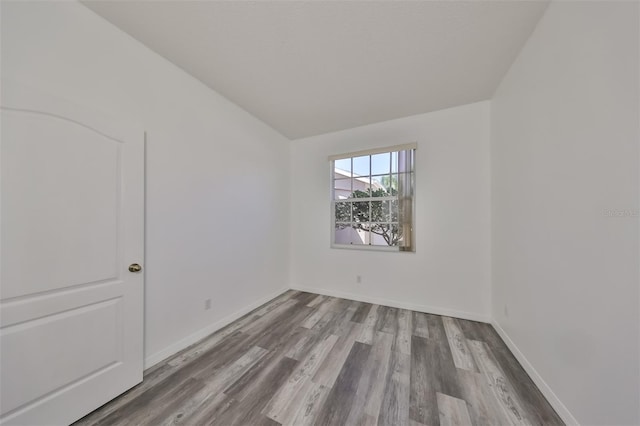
pixel 318 212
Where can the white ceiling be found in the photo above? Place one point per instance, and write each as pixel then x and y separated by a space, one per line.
pixel 312 67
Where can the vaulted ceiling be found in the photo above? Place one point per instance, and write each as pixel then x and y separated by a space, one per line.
pixel 311 67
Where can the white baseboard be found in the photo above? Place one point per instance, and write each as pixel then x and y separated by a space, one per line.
pixel 204 332
pixel 396 304
pixel 555 402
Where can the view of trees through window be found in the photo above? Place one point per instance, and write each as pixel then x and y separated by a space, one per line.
pixel 365 194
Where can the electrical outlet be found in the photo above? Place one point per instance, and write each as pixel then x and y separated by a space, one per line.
pixel 207 304
pixel 358 279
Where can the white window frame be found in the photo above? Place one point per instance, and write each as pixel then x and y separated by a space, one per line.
pixel 382 150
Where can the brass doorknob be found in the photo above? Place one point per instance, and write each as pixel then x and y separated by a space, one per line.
pixel 134 267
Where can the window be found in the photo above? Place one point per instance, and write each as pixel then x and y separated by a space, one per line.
pixel 372 199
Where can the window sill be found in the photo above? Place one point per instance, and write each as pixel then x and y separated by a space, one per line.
pixel 366 247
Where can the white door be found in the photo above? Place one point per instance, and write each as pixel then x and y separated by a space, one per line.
pixel 72 221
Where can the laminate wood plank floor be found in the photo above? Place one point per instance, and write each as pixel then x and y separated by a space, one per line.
pixel 306 359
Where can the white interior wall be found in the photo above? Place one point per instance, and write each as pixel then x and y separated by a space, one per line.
pixel 449 272
pixel 564 153
pixel 217 178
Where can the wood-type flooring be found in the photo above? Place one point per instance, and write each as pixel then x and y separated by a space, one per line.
pixel 308 359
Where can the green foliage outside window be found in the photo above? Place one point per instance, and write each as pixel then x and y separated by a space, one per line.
pixel 377 217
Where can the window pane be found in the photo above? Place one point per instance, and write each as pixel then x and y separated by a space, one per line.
pixel 361 187
pixel 344 165
pixel 385 234
pixel 343 212
pixel 378 186
pixel 361 165
pixel 378 211
pixel 360 211
pixel 391 185
pixel 341 189
pixel 393 210
pixel 341 174
pixel 380 164
pixel 363 235
pixel 380 234
pixel 349 235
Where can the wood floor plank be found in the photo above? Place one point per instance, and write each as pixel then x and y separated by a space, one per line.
pixel 279 333
pixel 304 343
pixel 368 420
pixel 369 395
pixel 296 399
pixel 336 322
pixel 498 383
pixel 289 340
pixel 482 405
pixel 390 323
pixel 217 358
pixel 338 404
pixel 151 379
pixel 162 409
pixel 312 401
pixel 212 385
pixel 343 325
pixel 453 411
pixel 420 324
pixel 444 377
pixel 331 303
pixel 305 298
pixel 369 326
pixel 534 403
pixel 141 409
pixel 471 330
pixel 383 313
pixel 331 366
pixel 462 358
pixel 326 317
pixel 423 404
pixel 432 370
pixel 260 324
pixel 277 407
pixel 381 362
pixel 313 319
pixel 361 313
pixel 258 377
pixel 265 421
pixel 402 341
pixel 396 401
pixel 294 293
pixel 204 345
pixel 210 412
pixel 342 304
pixel 249 409
pixel 317 301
